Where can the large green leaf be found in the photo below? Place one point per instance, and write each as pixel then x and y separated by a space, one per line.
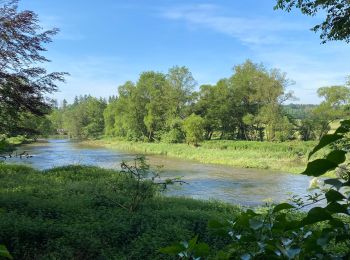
pixel 325 140
pixel 315 215
pixel 335 207
pixel 319 167
pixel 337 156
pixel 344 127
pixel 282 206
pixel 333 195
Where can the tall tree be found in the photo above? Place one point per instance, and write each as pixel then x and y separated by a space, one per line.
pixel 23 83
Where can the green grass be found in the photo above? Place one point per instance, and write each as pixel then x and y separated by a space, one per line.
pixel 72 212
pixel 9 144
pixel 286 157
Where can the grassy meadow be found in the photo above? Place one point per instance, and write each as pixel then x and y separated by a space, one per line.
pixel 287 156
pixel 73 212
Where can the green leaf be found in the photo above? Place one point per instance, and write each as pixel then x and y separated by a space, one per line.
pixel 336 223
pixel 315 215
pixel 333 195
pixel 335 207
pixel 202 250
pixel 251 213
pixel 337 156
pixel 319 167
pixel 282 206
pixel 192 243
pixel 344 127
pixel 172 250
pixel 4 252
pixel 334 182
pixel 325 140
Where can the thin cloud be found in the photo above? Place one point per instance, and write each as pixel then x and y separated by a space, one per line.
pixel 261 30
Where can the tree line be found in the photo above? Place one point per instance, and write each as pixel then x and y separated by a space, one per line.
pixel 165 107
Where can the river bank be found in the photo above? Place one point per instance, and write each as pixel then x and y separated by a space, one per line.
pixel 288 157
pixel 9 144
pixel 81 212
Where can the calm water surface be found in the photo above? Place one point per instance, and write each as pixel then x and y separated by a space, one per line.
pixel 248 187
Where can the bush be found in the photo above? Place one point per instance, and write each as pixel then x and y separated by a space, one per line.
pixel 74 212
pixel 193 127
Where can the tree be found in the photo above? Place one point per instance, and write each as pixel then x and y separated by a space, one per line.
pixel 336 25
pixel 23 83
pixel 333 107
pixel 179 90
pixel 260 93
pixel 81 120
pixel 194 129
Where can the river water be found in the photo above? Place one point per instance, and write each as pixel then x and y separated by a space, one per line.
pixel 248 187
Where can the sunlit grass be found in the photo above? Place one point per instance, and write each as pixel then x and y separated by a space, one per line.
pixel 71 213
pixel 286 157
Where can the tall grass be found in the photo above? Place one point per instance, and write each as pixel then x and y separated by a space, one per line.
pixel 72 213
pixel 287 156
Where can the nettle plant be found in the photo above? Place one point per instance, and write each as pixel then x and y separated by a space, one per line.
pixel 284 231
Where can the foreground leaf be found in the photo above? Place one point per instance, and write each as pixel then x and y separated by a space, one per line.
pixel 325 140
pixel 315 215
pixel 319 167
pixel 282 206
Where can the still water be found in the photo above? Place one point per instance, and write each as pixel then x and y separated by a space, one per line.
pixel 247 187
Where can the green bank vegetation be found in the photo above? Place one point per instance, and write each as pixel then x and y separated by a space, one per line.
pixel 9 144
pixel 75 212
pixel 280 232
pixel 285 156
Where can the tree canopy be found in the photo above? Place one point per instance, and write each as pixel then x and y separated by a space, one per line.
pixel 336 25
pixel 23 82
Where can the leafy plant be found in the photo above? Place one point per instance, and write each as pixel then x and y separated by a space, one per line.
pixel 192 250
pixel 143 182
pixel 282 231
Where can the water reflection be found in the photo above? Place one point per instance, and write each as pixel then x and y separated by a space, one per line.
pixel 205 181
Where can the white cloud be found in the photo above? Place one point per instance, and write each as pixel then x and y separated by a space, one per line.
pixel 248 30
pixel 277 42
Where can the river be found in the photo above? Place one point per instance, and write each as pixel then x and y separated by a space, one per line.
pixel 248 187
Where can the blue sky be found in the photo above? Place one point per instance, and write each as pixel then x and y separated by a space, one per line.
pixel 104 43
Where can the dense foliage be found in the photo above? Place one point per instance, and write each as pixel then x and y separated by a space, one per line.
pixel 249 105
pixel 336 25
pixel 23 83
pixel 82 119
pixel 281 231
pixel 78 212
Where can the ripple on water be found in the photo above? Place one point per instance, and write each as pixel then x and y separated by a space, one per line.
pixel 248 187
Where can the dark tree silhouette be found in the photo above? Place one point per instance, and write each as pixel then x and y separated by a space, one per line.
pixel 336 25
pixel 23 80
